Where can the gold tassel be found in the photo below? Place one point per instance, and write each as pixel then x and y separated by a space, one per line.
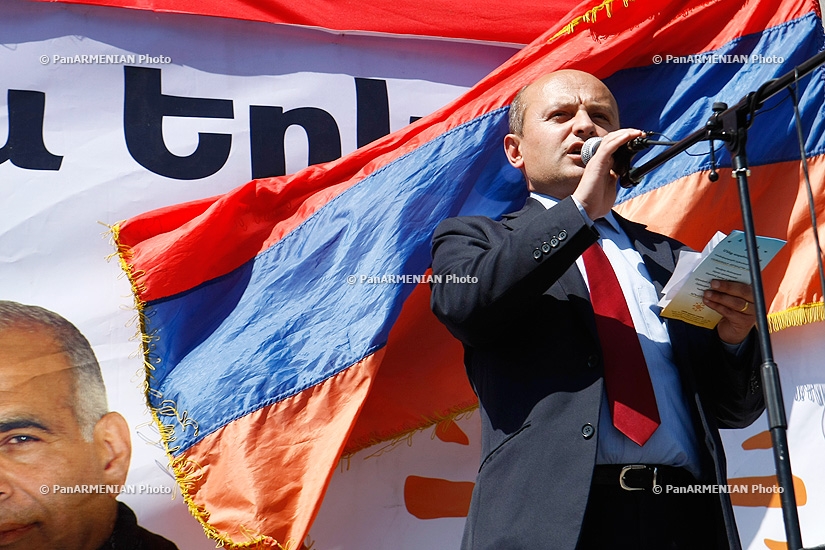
pixel 187 473
pixel 796 316
pixel 406 436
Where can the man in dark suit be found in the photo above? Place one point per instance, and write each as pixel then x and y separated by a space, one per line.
pixel 562 466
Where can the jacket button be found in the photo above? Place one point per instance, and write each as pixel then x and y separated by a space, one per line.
pixel 562 235
pixel 545 248
pixel 588 430
pixel 537 254
pixel 554 242
pixel 593 361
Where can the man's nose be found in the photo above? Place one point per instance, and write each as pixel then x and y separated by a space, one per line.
pixel 5 484
pixel 583 125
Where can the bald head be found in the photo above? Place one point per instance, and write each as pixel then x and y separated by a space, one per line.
pixel 551 119
pixel 566 81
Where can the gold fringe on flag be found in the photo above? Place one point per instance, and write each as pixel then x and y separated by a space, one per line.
pixel 187 473
pixel 796 316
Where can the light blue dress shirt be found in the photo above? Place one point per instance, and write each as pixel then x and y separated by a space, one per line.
pixel 674 442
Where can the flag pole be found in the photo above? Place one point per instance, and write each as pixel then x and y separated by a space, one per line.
pixel 730 125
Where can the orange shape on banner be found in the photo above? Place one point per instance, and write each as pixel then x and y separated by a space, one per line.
pixel 431 498
pixel 449 432
pixel 762 440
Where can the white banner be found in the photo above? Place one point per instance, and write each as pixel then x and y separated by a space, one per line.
pixel 104 114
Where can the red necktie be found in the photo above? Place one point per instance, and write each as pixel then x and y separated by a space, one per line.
pixel 627 381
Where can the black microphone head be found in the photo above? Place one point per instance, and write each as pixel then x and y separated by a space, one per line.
pixel 589 149
pixel 621 159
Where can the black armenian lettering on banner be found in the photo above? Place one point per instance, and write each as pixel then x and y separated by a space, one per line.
pixel 268 126
pixel 145 106
pixel 373 110
pixel 24 146
pixel 267 130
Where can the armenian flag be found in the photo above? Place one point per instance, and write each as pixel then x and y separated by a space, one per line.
pixel 286 324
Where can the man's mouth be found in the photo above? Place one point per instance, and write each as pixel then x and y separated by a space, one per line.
pixel 12 532
pixel 575 153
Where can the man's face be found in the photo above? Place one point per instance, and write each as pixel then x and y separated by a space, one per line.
pixel 41 447
pixel 563 110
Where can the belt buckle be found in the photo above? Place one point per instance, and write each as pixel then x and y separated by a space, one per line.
pixel 629 467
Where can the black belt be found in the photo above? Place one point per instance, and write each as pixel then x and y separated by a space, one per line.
pixel 638 477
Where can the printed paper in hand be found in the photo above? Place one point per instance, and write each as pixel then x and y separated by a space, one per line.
pixel 723 258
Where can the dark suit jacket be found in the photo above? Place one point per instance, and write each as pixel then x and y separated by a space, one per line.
pixel 128 535
pixel 533 358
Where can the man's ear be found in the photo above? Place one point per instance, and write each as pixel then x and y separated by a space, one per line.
pixel 512 148
pixel 114 447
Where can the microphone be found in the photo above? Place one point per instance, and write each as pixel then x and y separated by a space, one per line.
pixel 622 156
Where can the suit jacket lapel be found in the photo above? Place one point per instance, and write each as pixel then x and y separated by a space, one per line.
pixel 657 251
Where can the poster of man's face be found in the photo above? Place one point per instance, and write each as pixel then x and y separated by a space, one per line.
pixel 63 455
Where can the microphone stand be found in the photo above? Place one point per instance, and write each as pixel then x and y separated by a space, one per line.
pixel 731 126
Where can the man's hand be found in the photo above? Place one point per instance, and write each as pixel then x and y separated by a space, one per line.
pixel 597 189
pixel 734 301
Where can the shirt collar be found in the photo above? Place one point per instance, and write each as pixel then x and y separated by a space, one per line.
pixel 550 202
